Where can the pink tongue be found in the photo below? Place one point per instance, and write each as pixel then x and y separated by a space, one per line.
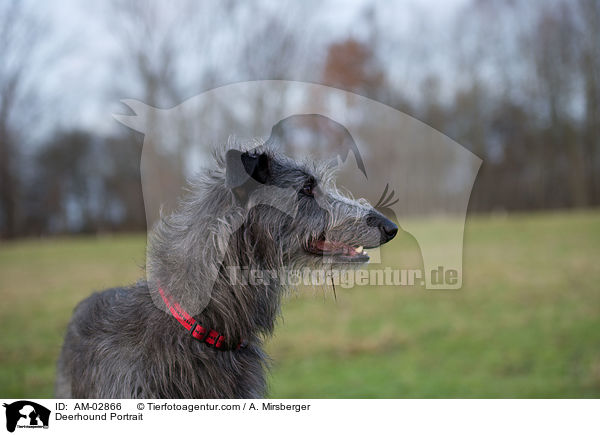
pixel 334 247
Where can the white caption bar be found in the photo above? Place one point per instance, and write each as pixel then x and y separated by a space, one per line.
pixel 298 416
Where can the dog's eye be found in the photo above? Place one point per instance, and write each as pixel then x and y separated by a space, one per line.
pixel 307 189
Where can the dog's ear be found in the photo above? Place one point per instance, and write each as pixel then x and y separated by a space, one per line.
pixel 243 170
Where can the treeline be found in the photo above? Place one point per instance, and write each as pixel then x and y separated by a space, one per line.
pixel 518 83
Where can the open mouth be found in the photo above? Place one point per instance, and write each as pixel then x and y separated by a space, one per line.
pixel 338 250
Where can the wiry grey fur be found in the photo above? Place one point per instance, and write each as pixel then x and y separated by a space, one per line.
pixel 121 343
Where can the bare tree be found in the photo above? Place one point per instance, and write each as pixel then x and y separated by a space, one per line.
pixel 588 14
pixel 21 34
pixel 153 40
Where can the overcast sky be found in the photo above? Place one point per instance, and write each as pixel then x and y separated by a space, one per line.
pixel 84 67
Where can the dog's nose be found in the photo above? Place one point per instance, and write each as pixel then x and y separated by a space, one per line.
pixel 387 228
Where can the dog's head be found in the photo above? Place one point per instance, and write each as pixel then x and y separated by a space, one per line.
pixel 297 208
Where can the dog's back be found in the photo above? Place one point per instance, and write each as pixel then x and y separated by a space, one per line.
pixel 98 325
pixel 120 345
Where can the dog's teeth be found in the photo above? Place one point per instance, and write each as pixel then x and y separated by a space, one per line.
pixel 359 249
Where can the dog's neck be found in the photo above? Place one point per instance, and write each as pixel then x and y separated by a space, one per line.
pixel 227 281
pixel 243 300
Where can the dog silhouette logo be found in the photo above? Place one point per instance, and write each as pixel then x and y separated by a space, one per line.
pixel 26 414
pixel 413 174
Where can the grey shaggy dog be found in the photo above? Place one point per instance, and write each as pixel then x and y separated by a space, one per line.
pixel 256 209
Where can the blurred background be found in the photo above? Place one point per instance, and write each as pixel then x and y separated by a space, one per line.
pixel 515 82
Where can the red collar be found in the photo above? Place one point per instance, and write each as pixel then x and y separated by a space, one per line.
pixel 208 336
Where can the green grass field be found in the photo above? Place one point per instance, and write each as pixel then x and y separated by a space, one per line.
pixel 525 324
